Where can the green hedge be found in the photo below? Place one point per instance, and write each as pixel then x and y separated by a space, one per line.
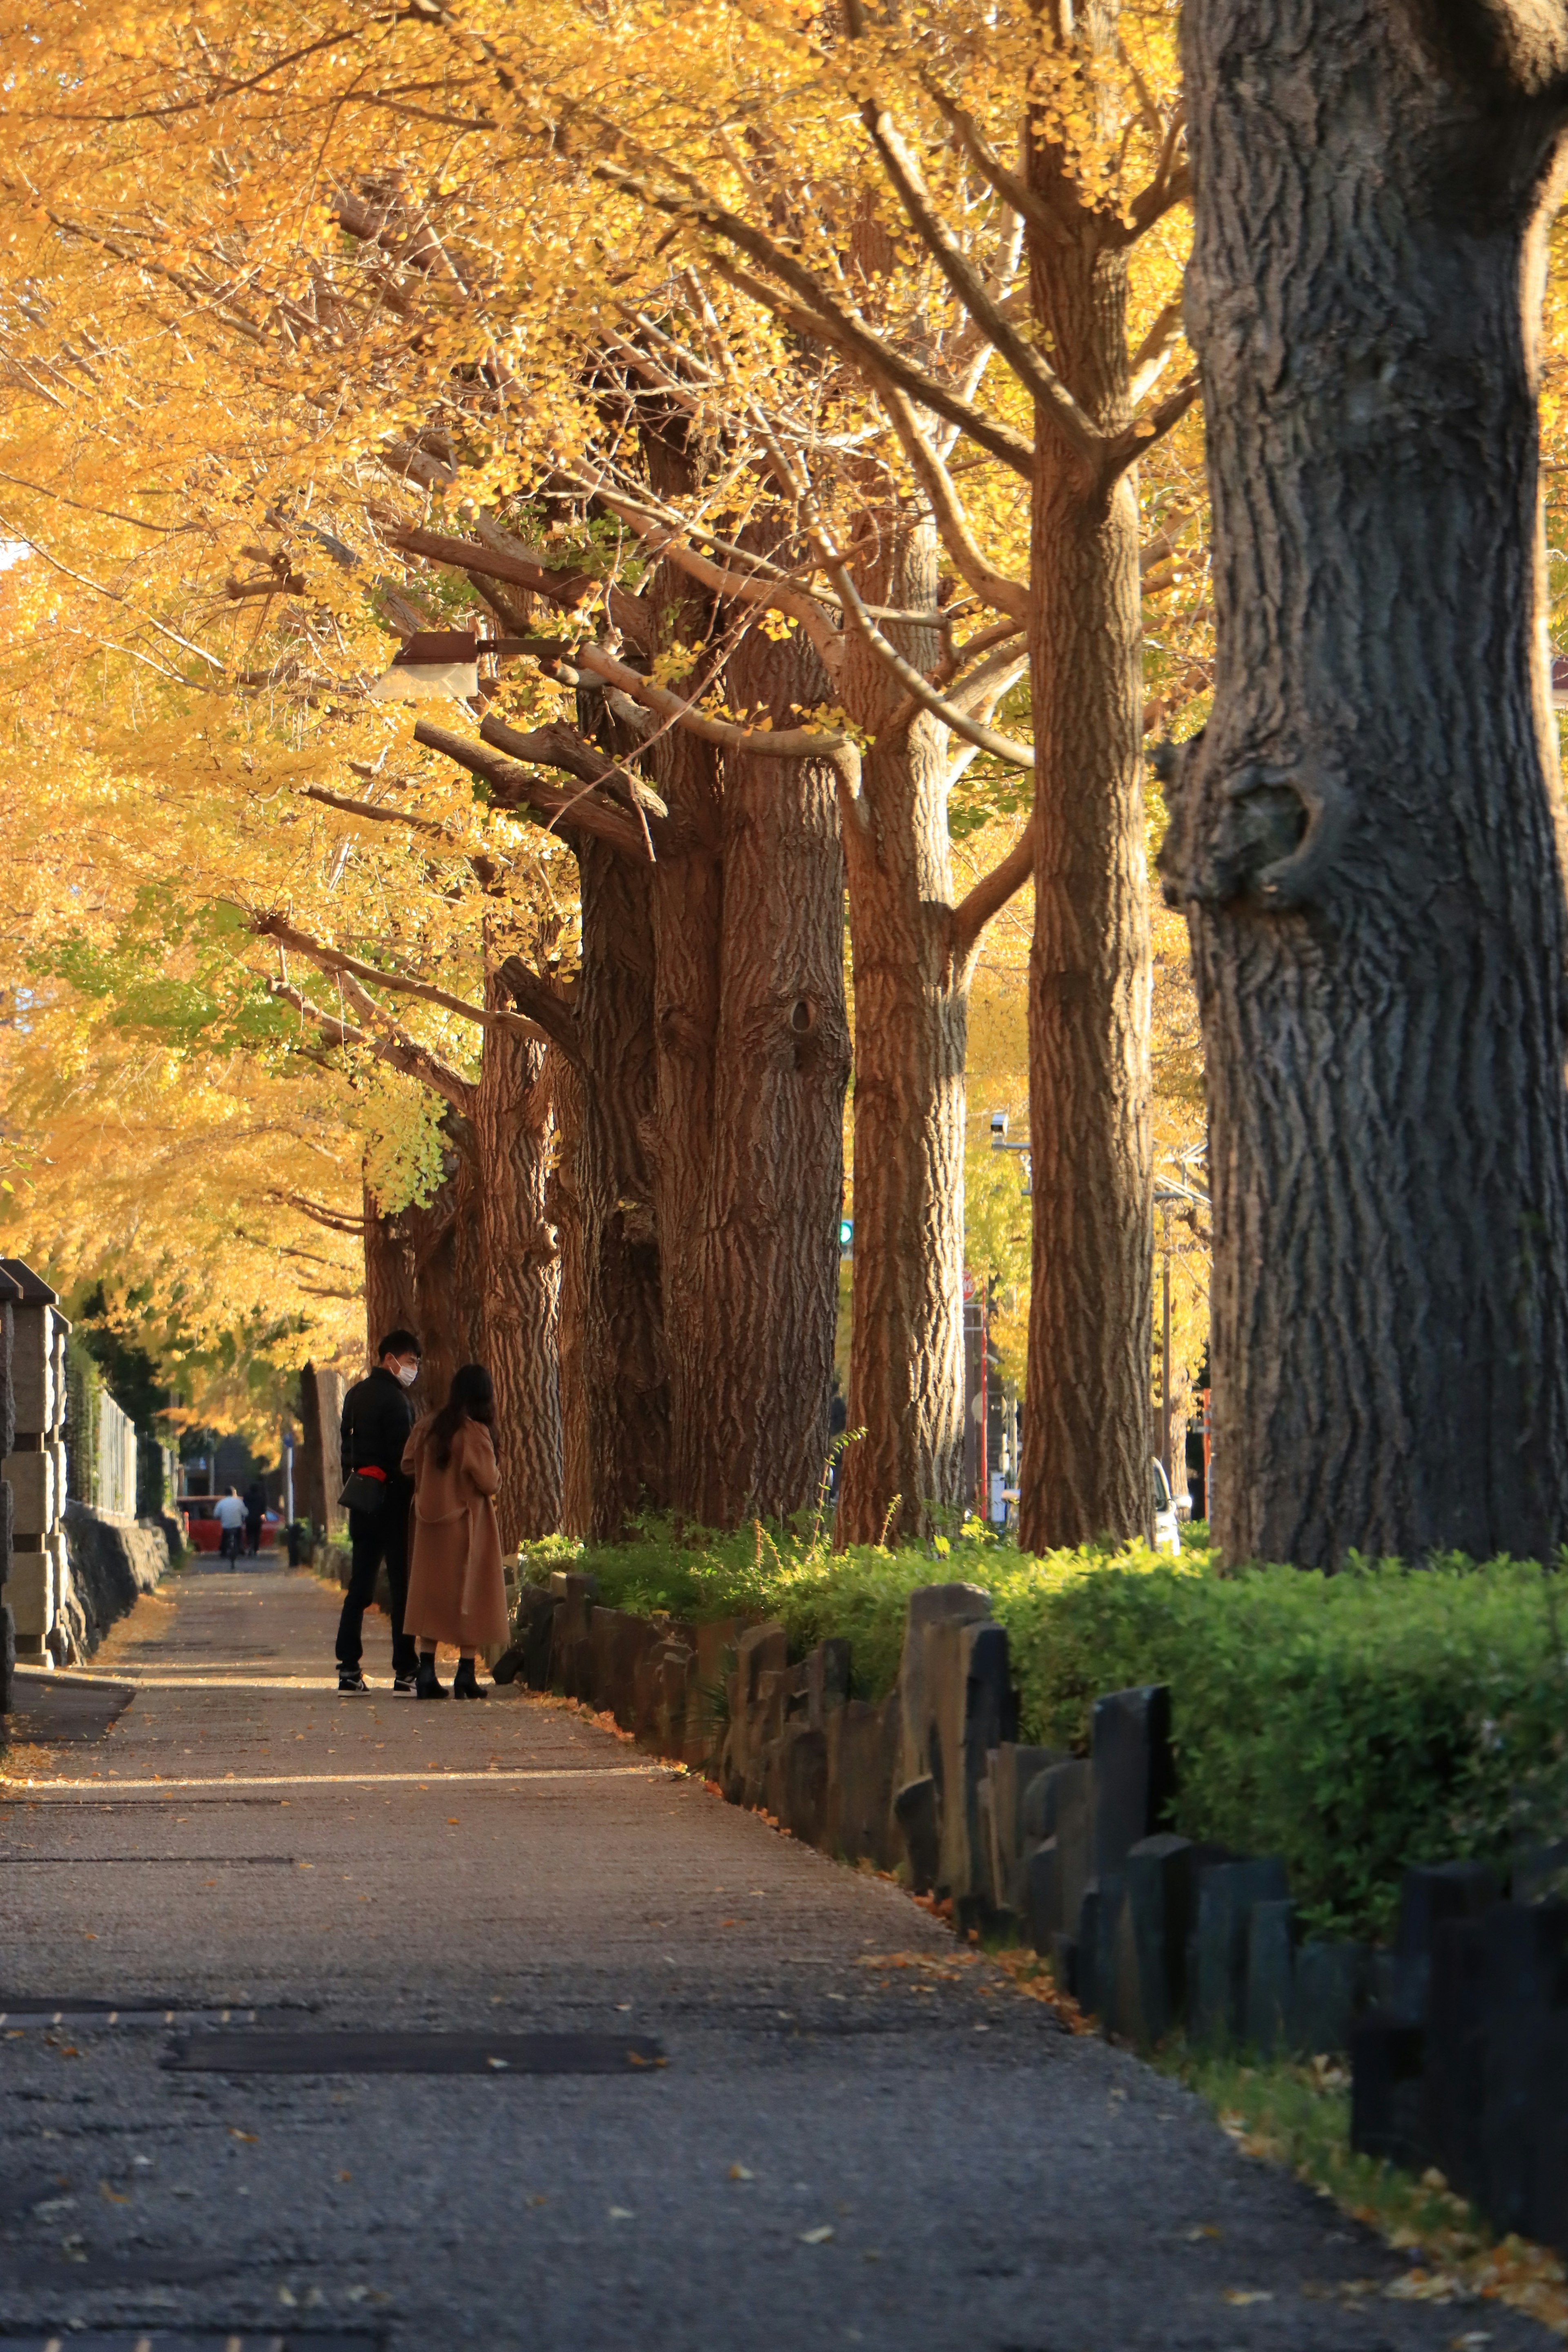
pixel 1354 1724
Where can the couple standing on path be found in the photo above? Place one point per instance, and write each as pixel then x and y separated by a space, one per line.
pixel 437 1481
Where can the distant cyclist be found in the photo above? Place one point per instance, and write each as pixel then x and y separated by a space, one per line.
pixel 231 1519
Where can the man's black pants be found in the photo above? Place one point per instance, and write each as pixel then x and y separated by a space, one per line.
pixel 375 1536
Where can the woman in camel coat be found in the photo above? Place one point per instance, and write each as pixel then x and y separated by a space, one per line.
pixel 457 1591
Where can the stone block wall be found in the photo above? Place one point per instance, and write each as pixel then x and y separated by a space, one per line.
pixel 68 1568
pixel 10 1295
pixel 38 1589
pixel 1459 2035
pixel 110 1561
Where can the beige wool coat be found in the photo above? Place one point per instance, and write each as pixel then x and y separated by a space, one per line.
pixel 457 1591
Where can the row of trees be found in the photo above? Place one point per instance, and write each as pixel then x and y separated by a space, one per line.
pixel 774 405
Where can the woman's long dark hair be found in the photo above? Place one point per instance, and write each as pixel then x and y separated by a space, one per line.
pixel 471 1398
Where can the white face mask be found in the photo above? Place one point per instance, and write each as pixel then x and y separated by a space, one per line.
pixel 408 1374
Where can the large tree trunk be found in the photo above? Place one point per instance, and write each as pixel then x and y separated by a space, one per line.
pixel 614 1280
pixel 563 1210
pixel 751 1368
pixel 449 1269
pixel 753 1052
pixel 1086 1424
pixel 512 1130
pixel 1367 837
pixel 388 1275
pixel 911 1006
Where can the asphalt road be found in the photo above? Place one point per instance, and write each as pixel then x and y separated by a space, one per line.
pixel 858 2134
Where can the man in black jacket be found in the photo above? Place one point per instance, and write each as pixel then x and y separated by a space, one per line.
pixel 378 1414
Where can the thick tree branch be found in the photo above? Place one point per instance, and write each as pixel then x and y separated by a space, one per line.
pixel 545 1003
pixel 990 895
pixel 774 743
pixel 1009 596
pixel 519 789
pixel 633 791
pixel 568 588
pixel 375 810
pixel 836 327
pixel 1013 191
pixel 984 738
pixel 398 1050
pixel 1142 435
pixel 1157 199
pixel 982 687
pixel 1149 359
pixel 327 958
pixel 1052 399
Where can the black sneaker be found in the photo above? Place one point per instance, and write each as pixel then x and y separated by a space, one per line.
pixel 405 1686
pixel 351 1679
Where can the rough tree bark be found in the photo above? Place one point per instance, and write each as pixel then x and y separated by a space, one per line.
pixel 618 1458
pixel 388 1275
pixel 1086 1440
pixel 911 1007
pixel 751 1360
pixel 753 1052
pixel 522 1273
pixel 449 1268
pixel 1367 838
pixel 564 1211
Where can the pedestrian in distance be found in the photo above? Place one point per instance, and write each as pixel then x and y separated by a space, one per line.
pixel 378 1414
pixel 231 1519
pixel 457 1589
pixel 255 1512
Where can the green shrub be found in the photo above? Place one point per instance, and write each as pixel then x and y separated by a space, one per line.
pixel 1354 1724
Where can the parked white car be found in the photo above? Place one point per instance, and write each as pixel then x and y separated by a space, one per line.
pixel 1167 1533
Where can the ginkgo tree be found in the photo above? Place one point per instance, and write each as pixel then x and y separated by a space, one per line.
pixel 816 479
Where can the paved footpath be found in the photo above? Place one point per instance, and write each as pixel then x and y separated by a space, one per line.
pixel 839 2150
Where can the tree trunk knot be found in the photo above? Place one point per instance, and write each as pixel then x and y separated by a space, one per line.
pixel 1269 832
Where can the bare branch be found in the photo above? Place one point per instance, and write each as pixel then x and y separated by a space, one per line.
pixel 822 317
pixel 336 1221
pixel 664 540
pixel 836 327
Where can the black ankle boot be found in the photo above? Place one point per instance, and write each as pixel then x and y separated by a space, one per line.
pixel 463 1683
pixel 424 1682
